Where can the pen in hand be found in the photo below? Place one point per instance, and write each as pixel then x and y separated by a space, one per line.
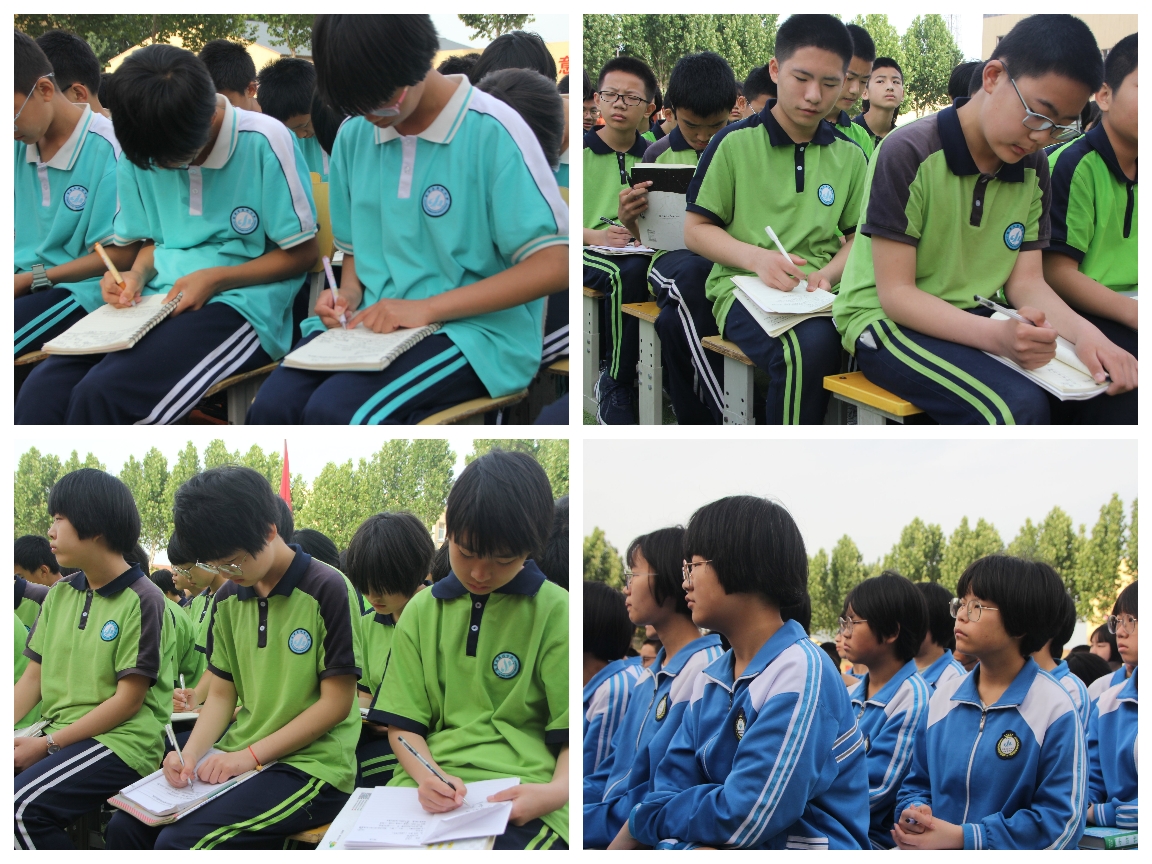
pixel 332 285
pixel 427 764
pixel 176 747
pixel 111 268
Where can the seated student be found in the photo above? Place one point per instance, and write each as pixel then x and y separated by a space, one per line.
pixel 1102 643
pixel 855 82
pixel 1048 657
pixel 95 667
pixel 478 232
pixel 287 87
pixel 554 562
pixel 518 49
pixel 68 157
pixel 929 245
pixel 1087 667
pixel 478 679
pixel 892 697
pixel 660 697
pixel 591 109
pixel 784 760
pixel 740 109
pixel 999 757
pixel 318 545
pixel 649 650
pixel 961 77
pixel 651 124
pixel 199 609
pixel 608 676
pixel 758 89
pixel 236 250
pixel 1128 651
pixel 284 645
pixel 885 92
pixel 458 64
pixel 233 72
pixel 934 660
pixel 1092 256
pixel 34 561
pixel 181 661
pixel 388 562
pixel 786 168
pixel 702 86
pixel 76 67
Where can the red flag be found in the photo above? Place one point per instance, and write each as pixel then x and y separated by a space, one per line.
pixel 286 478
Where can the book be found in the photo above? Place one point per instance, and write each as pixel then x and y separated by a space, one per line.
pixel 1100 837
pixel 621 250
pixel 181 716
pixel 662 224
pixel 1064 376
pixel 798 301
pixel 775 323
pixel 356 350
pixel 110 329
pixel 345 821
pixel 36 730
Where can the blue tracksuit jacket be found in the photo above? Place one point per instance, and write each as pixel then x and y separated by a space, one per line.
pixel 605 698
pixel 1104 682
pixel 943 668
pixel 1112 742
pixel 1076 690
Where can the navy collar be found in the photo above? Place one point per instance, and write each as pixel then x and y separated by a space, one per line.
pixel 957 154
pixel 825 132
pixel 526 582
pixel 677 140
pixel 968 691
pixel 387 620
pixel 1097 139
pixel 597 145
pixel 288 581
pixel 79 581
pixel 863 124
pixel 21 584
pixel 844 120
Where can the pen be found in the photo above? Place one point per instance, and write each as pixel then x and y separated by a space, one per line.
pixel 182 687
pixel 176 747
pixel 1004 310
pixel 332 286
pixel 780 246
pixel 111 268
pixel 425 762
pixel 612 222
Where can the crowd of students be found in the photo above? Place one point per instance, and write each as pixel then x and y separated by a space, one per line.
pixel 955 722
pixel 462 650
pixel 193 170
pixel 997 195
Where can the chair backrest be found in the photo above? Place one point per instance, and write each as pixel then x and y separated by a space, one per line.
pixel 323 219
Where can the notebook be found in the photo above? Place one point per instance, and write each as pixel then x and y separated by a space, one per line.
pixel 357 350
pixel 33 731
pixel 798 301
pixel 662 224
pixel 775 323
pixel 345 821
pixel 621 250
pixel 1064 376
pixel 110 329
pixel 1100 837
pixel 181 716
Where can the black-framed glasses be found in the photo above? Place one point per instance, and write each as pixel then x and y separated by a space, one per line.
pixel 1040 123
pixel 610 98
pixel 973 609
pixel 847 625
pixel 29 96
pixel 687 569
pixel 1124 625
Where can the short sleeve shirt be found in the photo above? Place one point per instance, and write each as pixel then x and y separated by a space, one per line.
pixel 863 135
pixel 29 598
pixel 65 205
pixel 314 155
pixel 752 175
pixel 20 639
pixel 672 149
pixel 252 193
pixel 467 198
pixel 606 174
pixel 376 633
pixel 185 659
pixel 924 189
pixel 199 612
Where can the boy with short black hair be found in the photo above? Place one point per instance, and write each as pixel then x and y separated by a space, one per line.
pixel 855 82
pixel 960 78
pixel 934 660
pixel 233 72
pixel 608 674
pixel 591 112
pixel 198 610
pixel 700 87
pixel 287 87
pixel 34 562
pixel 958 207
pixel 478 679
pixel 758 89
pixel 885 92
pixel 182 660
pixel 76 67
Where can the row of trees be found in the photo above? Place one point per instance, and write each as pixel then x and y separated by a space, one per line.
pixel 402 475
pixel 926 52
pixel 1093 566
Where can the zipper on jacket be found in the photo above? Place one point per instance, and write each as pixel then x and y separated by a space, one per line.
pixel 971 758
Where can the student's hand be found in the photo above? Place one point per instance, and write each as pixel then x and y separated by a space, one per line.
pixel 121 298
pixel 1101 355
pixel 776 271
pixel 614 236
pixel 348 302
pixel 384 316
pixel 937 834
pixel 183 700
pixel 436 797
pixel 176 774
pixel 23 284
pixel 817 279
pixel 1030 346
pixel 221 766
pixel 199 287
pixel 532 800
pixel 914 818
pixel 633 201
pixel 29 751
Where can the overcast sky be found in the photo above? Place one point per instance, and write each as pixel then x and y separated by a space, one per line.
pixel 552 28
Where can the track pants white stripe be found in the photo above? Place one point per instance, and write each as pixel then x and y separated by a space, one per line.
pixel 52 778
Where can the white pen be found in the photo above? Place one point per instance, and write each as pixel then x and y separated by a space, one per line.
pixel 332 285
pixel 783 251
pixel 176 747
pixel 182 687
pixel 1003 310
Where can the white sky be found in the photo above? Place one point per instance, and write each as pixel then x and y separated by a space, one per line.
pixel 552 28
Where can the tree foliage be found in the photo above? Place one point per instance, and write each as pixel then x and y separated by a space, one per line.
pixel 965 546
pixel 883 34
pixel 1098 564
pixel 294 32
pixel 930 55
pixel 918 553
pixel 491 26
pixel 551 453
pixel 602 562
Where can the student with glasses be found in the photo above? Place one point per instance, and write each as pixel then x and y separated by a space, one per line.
pixel 1121 625
pixel 207 582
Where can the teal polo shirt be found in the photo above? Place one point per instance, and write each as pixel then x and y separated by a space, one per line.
pixel 314 155
pixel 752 175
pixel 606 174
pixel 1094 210
pixel 252 193
pixel 467 198
pixel 65 205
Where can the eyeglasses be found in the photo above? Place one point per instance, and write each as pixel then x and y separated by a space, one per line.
pixel 591 112
pixel 689 566
pixel 1124 625
pixel 1040 123
pixel 226 569
pixel 26 98
pixel 973 609
pixel 629 576
pixel 610 98
pixel 847 625
pixel 392 110
pixel 181 571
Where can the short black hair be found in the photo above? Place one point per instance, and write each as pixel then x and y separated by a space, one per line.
pixel 363 60
pixel 554 562
pixel 1063 44
pixel 977 81
pixel 72 59
pixel 1103 634
pixel 1126 603
pixel 940 622
pixel 887 63
pixel 630 66
pixel 891 606
pixel 562 86
pixel 663 549
pixel 829 648
pixel 98 505
pixel 587 86
pixel 391 553
pixel 501 505
pixel 459 64
pixel 658 101
pixel 176 553
pixel 162 101
pixel 224 510
pixel 286 88
pixel 1088 666
pixel 607 630
pixel 759 83
pixel 138 556
pixel 326 122
pixel 285 523
pixel 229 64
pixel 754 546
pixel 1121 62
pixel 534 98
pixel 31 63
pixel 105 77
pixel 826 32
pixel 317 544
pixel 516 50
pixel 1063 626
pixel 800 612
pixel 33 552
pixel 702 83
pixel 1023 591
pixel 441 563
pixel 958 81
pixel 162 579
pixel 862 44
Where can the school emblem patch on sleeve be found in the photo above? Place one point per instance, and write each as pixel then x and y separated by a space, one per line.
pixel 662 708
pixel 740 724
pixel 826 194
pixel 109 631
pixel 75 197
pixel 1008 745
pixel 1014 236
pixel 300 641
pixel 506 665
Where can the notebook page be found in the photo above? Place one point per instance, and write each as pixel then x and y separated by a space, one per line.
pixel 795 302
pixel 109 325
pixel 393 817
pixel 357 347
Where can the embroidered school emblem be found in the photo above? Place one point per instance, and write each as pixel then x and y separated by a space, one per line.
pixel 75 197
pixel 436 200
pixel 244 220
pixel 109 631
pixel 1014 236
pixel 300 641
pixel 506 665
pixel 662 708
pixel 1008 745
pixel 826 194
pixel 740 724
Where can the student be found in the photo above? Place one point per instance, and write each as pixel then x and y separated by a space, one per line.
pixel 659 699
pixel 472 247
pixel 517 49
pixel 783 761
pixel 95 667
pixel 318 545
pixel 885 92
pixel 701 87
pixel 236 250
pixel 76 67
pixel 68 158
pixel 441 566
pixel 1087 667
pixel 284 646
pixel 20 636
pixel 591 109
pixel 740 109
pixel 758 89
pixel 810 211
pixel 1128 649
pixel 855 82
pixel 287 87
pixel 1048 657
pixel 1103 645
pixel 388 562
pixel 478 680
pixel 1092 256
pixel 925 222
pixel 934 660
pixel 34 561
pixel 608 676
pixel 233 72
pixel 458 64
pixel 199 610
pixel 891 699
pixel 554 561
pixel 649 650
pixel 181 660
pixel 960 78
pixel 999 758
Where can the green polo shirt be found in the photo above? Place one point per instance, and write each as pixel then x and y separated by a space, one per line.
pixel 484 678
pixel 277 649
pixel 857 132
pixel 672 149
pixel 376 633
pixel 606 175
pixel 29 598
pixel 86 640
pixel 924 189
pixel 866 134
pixel 66 204
pixel 183 658
pixel 314 155
pixel 1094 210
pixel 199 612
pixel 20 640
pixel 752 175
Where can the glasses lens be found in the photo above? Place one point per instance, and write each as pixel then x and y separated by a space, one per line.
pixel 954 606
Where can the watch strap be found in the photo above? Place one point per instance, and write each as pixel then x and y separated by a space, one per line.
pixel 40 279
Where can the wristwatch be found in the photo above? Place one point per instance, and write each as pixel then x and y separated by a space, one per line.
pixel 40 279
pixel 53 747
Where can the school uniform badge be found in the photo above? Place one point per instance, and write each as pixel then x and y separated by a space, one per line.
pixel 436 200
pixel 75 197
pixel 109 631
pixel 1008 745
pixel 826 194
pixel 300 641
pixel 740 725
pixel 662 708
pixel 506 665
pixel 1014 236
pixel 244 220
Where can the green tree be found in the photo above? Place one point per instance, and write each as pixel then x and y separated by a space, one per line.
pixel 266 463
pixel 151 501
pixel 1098 564
pixel 965 546
pixel 602 42
pixel 602 562
pixel 294 32
pixel 334 506
pixel 883 34
pixel 917 554
pixel 745 41
pixel 823 615
pixel 35 476
pixel 186 466
pixel 491 26
pixel 406 475
pixel 73 463
pixel 1026 544
pixel 216 454
pixel 1057 544
pixel 1131 550
pixel 930 54
pixel 551 453
pixel 299 495
pixel 661 40
pixel 830 578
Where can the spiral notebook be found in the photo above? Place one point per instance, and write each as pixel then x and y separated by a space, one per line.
pixel 1064 376
pixel 358 350
pixel 110 329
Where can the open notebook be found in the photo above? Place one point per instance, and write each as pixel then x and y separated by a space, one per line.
pixel 110 329
pixel 1064 376
pixel 779 311
pixel 357 350
pixel 661 226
